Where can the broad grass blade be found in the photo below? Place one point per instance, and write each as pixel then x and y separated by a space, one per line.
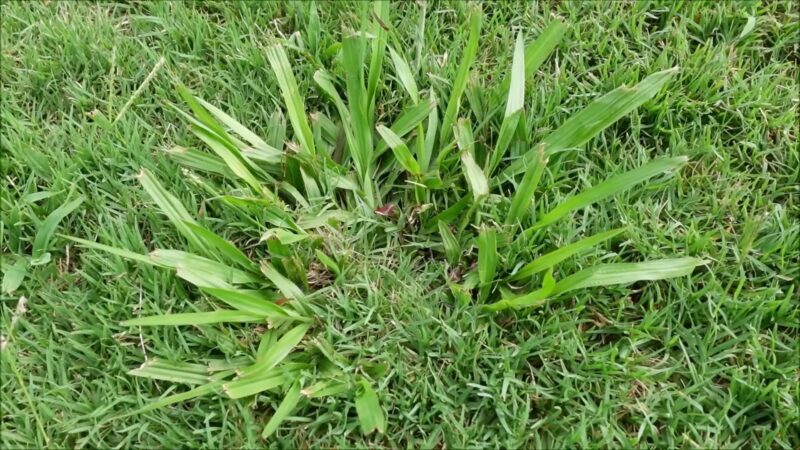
pixel 529 300
pixel 48 228
pixel 409 119
pixel 381 18
pixel 610 187
pixel 121 252
pixel 251 386
pixel 452 249
pixel 158 369
pixel 13 275
pixel 232 156
pixel 549 260
pixel 626 273
pixel 170 206
pixel 200 318
pixel 596 117
pixel 523 199
pixel 370 414
pixel 183 260
pixel 198 160
pixel 223 247
pixel 291 96
pixel 276 352
pixel 460 81
pixel 287 288
pixel 352 47
pixel 284 409
pixel 537 51
pixel 472 172
pixel 248 302
pixel 400 150
pixel 404 74
pixel 514 106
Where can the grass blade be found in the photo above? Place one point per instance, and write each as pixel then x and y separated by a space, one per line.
pixel 404 74
pixel 514 106
pixel 183 260
pixel 626 273
pixel 381 17
pixel 460 82
pixel 400 150
pixel 284 409
pixel 233 157
pixel 127 254
pixel 223 247
pixel 170 206
pixel 537 51
pixel 48 228
pixel 549 260
pixel 158 369
pixel 596 117
pixel 252 386
pixel 248 302
pixel 408 120
pixel 276 352
pixel 238 128
pixel 529 300
pixel 370 414
pixel 198 160
pixel 13 275
pixel 523 199
pixel 291 96
pixel 472 172
pixel 610 187
pixel 200 318
pixel 356 96
pixel 452 249
pixel 487 261
pixel 287 288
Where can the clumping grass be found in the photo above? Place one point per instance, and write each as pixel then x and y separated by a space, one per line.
pixel 438 262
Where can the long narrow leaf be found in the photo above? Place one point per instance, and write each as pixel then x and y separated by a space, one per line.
pixel 523 198
pixel 248 302
pixel 626 273
pixel 284 409
pixel 460 82
pixel 596 117
pixel 610 187
pixel 200 318
pixel 404 74
pixel 276 352
pixel 291 96
pixel 48 228
pixel 400 150
pixel 537 51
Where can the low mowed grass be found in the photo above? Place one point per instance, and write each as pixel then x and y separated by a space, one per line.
pixel 708 360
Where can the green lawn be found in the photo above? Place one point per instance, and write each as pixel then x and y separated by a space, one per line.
pixel 708 360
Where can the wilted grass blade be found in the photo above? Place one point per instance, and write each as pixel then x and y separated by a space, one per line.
pixel 248 302
pixel 549 260
pixel 523 199
pixel 158 369
pixel 284 409
pixel 596 117
pixel 626 273
pixel 610 187
pixel 277 352
pixel 291 96
pixel 404 74
pixel 370 414
pixel 400 150
pixel 460 81
pixel 200 318
pixel 48 228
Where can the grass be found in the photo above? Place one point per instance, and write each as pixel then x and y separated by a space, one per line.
pixel 703 361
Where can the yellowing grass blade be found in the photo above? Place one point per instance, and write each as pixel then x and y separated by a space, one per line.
pixel 596 117
pixel 611 187
pixel 291 96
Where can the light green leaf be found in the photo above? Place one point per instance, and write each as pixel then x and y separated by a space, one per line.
pixel 522 202
pixel 610 187
pixel 170 206
pixel 47 229
pixel 596 117
pixel 200 318
pixel 460 81
pixel 115 251
pixel 534 298
pixel 245 387
pixel 223 247
pixel 404 74
pixel 472 172
pixel 626 273
pixel 158 369
pixel 537 51
pixel 183 260
pixel 400 150
pixel 407 121
pixel 287 288
pixel 291 96
pixel 248 302
pixel 284 409
pixel 328 262
pixel 276 353
pixel 452 249
pixel 14 274
pixel 556 256
pixel 370 414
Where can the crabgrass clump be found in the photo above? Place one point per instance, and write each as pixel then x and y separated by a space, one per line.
pixel 470 191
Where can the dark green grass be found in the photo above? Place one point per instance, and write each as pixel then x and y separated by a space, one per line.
pixel 706 361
